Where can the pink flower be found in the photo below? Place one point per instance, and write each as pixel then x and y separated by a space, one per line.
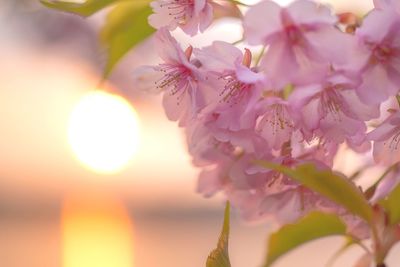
pixel 276 125
pixel 332 110
pixel 261 193
pixel 380 40
pixel 389 5
pixel 237 87
pixel 386 139
pixel 321 150
pixel 300 40
pixel 190 15
pixel 178 78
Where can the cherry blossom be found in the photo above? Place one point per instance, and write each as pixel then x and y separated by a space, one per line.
pixel 177 77
pixel 190 15
pixel 299 39
pixel 318 85
pixel 380 38
pixel 332 110
pixel 387 140
pixel 276 125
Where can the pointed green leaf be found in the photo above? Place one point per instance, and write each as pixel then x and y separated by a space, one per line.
pixel 85 9
pixel 126 26
pixel 313 226
pixel 392 205
pixel 219 257
pixel 333 186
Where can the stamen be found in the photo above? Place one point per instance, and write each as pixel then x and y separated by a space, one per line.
pixel 175 79
pixel 394 142
pixel 279 119
pixel 247 58
pixel 188 52
pixel 332 103
pixel 180 10
pixel 234 90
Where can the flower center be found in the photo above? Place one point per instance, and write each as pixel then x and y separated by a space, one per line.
pixel 279 118
pixel 332 103
pixel 234 90
pixel 176 79
pixel 180 10
pixel 382 53
pixel 293 34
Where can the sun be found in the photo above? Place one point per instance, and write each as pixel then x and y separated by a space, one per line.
pixel 103 132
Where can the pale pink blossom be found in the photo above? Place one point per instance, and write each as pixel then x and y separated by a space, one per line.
pixel 177 77
pixel 301 40
pixel 386 139
pixel 332 110
pixel 190 15
pixel 260 193
pixel 276 124
pixel 238 87
pixel 380 39
pixel 390 5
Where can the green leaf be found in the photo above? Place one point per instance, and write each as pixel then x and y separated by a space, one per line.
pixel 333 186
pixel 392 205
pixel 219 257
pixel 313 226
pixel 125 27
pixel 85 9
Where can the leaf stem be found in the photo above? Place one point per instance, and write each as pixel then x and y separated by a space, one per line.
pixel 236 2
pixel 238 41
pixel 260 55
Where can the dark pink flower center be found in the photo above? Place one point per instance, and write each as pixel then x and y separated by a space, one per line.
pixel 234 90
pixel 279 119
pixel 381 53
pixel 332 102
pixel 294 34
pixel 176 79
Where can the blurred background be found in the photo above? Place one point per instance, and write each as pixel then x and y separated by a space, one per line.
pixel 67 197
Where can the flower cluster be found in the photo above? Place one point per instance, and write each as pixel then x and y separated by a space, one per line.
pixel 316 85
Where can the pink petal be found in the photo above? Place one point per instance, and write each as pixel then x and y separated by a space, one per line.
pixel 309 12
pixel 206 17
pixel 383 132
pixel 161 17
pixel 144 78
pixel 386 152
pixel 218 57
pixel 246 75
pixel 262 20
pixel 311 114
pixel 362 111
pixel 167 47
pixel 280 64
pixel 376 86
pixel 385 186
pixel 209 182
pixel 199 5
pixel 302 95
pixel 376 25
